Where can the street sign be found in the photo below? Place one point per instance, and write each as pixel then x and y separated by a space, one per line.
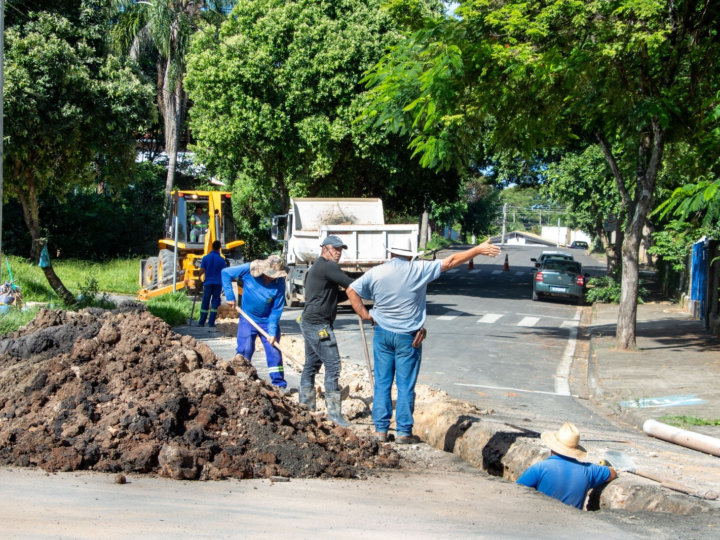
pixel 610 223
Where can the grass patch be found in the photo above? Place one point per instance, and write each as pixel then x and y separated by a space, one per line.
pixel 439 242
pixel 14 319
pixel 689 421
pixel 117 276
pixel 174 309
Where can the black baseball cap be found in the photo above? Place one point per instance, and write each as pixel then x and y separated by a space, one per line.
pixel 333 241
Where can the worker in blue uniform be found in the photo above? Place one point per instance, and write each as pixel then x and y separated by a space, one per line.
pixel 211 267
pixel 263 300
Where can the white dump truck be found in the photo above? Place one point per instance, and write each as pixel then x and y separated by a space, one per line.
pixel 360 223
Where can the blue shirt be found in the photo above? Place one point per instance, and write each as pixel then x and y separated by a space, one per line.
pixel 398 289
pixel 213 263
pixel 564 478
pixel 263 303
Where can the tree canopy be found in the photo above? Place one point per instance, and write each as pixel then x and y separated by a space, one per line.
pixel 276 97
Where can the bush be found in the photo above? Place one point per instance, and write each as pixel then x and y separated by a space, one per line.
pixel 607 290
pixel 439 242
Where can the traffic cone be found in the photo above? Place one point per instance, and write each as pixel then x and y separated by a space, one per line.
pixel 506 266
pixel 471 265
pixel 433 255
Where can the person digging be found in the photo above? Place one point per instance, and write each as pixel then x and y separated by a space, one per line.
pixel 263 300
pixel 399 288
pixel 322 295
pixel 564 475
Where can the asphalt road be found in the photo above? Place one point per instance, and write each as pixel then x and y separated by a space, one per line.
pixel 488 342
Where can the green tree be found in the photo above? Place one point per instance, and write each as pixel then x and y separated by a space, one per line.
pixel 584 182
pixel 630 75
pixel 276 96
pixel 70 110
pixel 167 26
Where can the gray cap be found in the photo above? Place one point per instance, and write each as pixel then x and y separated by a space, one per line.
pixel 333 241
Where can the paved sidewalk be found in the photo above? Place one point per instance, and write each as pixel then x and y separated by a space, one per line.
pixel 676 370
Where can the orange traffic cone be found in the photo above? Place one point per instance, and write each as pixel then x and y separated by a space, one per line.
pixel 471 265
pixel 506 266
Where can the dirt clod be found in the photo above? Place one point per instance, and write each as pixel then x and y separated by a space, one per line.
pixel 120 479
pixel 121 392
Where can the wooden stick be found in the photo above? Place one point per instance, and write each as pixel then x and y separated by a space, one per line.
pixel 367 354
pixel 265 334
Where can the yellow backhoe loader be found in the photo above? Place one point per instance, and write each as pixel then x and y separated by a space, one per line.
pixel 202 218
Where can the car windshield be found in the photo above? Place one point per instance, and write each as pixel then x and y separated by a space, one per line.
pixel 556 257
pixel 570 267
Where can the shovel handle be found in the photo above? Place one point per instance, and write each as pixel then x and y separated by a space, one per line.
pixel 266 336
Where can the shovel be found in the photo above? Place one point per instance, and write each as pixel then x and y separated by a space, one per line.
pixel 623 462
pixel 192 313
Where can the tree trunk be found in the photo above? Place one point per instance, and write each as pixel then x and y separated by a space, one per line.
pixel 31 215
pixel 424 229
pixel 650 151
pixel 173 100
pixel 613 251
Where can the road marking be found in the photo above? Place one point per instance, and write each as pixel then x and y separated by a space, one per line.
pixel 562 374
pixel 513 389
pixel 569 324
pixel 449 316
pixel 519 273
pixel 474 271
pixel 667 401
pixel 524 343
pixel 497 271
pixel 490 318
pixel 529 321
pixel 452 271
pixel 543 316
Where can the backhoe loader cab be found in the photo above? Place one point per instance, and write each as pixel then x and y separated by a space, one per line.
pixel 201 217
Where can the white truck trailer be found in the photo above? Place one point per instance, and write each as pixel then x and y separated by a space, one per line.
pixel 360 223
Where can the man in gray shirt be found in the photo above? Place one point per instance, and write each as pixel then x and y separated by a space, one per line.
pixel 398 289
pixel 321 299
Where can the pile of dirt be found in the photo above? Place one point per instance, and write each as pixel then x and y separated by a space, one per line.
pixel 120 391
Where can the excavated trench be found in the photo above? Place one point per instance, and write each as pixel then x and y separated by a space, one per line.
pixel 118 390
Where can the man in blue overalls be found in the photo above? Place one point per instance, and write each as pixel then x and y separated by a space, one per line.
pixel 211 265
pixel 263 299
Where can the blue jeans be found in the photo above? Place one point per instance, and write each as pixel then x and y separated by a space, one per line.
pixel 210 301
pixel 395 357
pixel 319 352
pixel 246 346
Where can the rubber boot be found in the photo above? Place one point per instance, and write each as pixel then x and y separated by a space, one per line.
pixel 306 395
pixel 333 403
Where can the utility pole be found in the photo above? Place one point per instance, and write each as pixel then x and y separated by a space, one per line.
pixel 2 114
pixel 502 242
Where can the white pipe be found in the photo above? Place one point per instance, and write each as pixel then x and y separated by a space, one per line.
pixel 683 437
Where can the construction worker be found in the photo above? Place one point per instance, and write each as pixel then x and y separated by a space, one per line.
pixel 211 267
pixel 321 299
pixel 563 475
pixel 199 223
pixel 263 300
pixel 398 288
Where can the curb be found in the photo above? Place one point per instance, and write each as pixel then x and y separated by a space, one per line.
pixel 503 450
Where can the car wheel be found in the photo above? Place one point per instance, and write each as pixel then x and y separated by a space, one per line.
pixel 535 296
pixel 581 300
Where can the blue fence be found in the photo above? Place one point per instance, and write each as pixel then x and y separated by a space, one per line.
pixel 700 268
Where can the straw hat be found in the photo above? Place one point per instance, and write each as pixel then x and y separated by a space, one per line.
pixel 565 442
pixel 272 267
pixel 404 249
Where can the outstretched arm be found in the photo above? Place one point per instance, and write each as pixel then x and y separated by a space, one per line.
pixel 456 259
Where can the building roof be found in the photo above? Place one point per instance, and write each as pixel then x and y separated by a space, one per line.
pixel 530 238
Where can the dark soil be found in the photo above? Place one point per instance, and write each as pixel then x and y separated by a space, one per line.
pixel 121 392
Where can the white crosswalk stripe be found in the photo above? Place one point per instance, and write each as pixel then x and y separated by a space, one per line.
pixel 452 271
pixel 474 271
pixel 490 318
pixel 519 273
pixel 497 271
pixel 449 316
pixel 570 324
pixel 529 321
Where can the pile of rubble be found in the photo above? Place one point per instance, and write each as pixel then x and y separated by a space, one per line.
pixel 120 391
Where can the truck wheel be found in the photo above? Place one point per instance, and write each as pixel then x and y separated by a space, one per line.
pixel 150 274
pixel 165 264
pixel 290 298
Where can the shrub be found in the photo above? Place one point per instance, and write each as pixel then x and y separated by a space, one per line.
pixel 607 290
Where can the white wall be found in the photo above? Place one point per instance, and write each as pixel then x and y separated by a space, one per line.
pixel 564 235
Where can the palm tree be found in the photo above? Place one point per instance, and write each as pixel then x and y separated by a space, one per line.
pixel 166 25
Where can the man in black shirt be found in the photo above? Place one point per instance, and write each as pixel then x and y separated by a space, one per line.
pixel 321 300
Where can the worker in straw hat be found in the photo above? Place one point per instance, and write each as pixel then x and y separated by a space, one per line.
pixel 564 475
pixel 263 300
pixel 398 289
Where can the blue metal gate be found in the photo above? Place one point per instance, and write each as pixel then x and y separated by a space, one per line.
pixel 700 266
